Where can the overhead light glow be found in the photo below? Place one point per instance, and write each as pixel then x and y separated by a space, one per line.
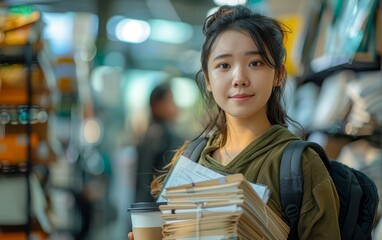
pixel 111 25
pixel 169 31
pixel 230 2
pixel 58 31
pixel 133 31
pixel 185 92
pixel 139 84
pixel 92 131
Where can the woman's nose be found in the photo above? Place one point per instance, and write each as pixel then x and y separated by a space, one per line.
pixel 240 77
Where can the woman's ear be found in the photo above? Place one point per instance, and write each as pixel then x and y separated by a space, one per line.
pixel 207 81
pixel 279 76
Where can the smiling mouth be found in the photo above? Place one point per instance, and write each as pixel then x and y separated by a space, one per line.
pixel 241 97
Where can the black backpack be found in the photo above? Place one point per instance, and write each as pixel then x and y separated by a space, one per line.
pixel 357 192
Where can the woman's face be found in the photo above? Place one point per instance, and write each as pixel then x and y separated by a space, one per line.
pixel 239 80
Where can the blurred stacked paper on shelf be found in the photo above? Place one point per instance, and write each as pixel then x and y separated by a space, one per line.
pixel 366 111
pixel 350 100
pixel 301 103
pixel 332 102
pixel 223 208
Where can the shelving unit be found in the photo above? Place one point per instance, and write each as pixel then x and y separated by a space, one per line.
pixel 24 107
pixel 37 88
pixel 339 53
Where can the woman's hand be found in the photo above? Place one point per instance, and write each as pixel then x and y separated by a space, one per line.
pixel 130 236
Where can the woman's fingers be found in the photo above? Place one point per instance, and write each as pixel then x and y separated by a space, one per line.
pixel 130 236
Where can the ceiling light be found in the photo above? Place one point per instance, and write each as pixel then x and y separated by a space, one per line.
pixel 230 2
pixel 111 25
pixel 133 31
pixel 170 31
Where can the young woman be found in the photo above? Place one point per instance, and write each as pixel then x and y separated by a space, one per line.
pixel 242 80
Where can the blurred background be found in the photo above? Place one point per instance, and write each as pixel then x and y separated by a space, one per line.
pixel 75 81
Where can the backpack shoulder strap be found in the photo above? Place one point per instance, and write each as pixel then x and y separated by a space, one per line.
pixel 195 148
pixel 291 181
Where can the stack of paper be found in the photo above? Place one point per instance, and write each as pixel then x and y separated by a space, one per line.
pixel 222 208
pixel 186 171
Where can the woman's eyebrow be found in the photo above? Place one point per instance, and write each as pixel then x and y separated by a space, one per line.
pixel 222 56
pixel 250 53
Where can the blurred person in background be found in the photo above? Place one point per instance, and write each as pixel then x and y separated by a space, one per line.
pixel 157 146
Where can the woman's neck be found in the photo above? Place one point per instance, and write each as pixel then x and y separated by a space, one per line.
pixel 239 135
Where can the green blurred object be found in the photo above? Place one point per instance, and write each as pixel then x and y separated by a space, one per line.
pixel 21 9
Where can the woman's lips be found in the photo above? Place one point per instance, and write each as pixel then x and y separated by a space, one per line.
pixel 241 97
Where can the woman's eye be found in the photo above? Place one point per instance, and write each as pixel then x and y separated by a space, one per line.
pixel 255 63
pixel 224 65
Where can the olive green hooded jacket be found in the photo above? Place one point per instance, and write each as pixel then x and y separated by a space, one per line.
pixel 259 162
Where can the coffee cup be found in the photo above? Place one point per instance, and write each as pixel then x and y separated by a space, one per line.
pixel 146 220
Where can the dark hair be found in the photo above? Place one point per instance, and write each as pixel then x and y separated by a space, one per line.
pixel 268 35
pixel 158 94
